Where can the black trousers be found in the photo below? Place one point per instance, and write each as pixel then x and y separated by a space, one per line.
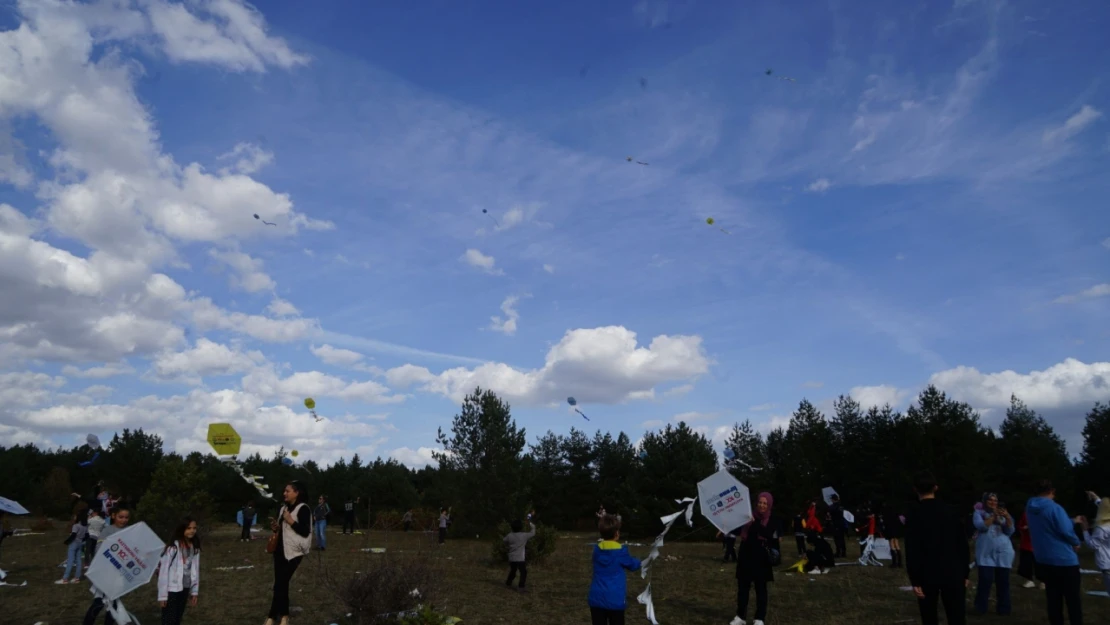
pixel 1062 585
pixel 513 568
pixel 606 617
pixel 730 549
pixel 954 598
pixel 800 541
pixel 841 548
pixel 175 607
pixel 283 572
pixel 349 521
pixel 90 550
pixel 408 525
pixel 246 533
pixel 94 611
pixel 442 535
pixel 1027 565
pixel 744 588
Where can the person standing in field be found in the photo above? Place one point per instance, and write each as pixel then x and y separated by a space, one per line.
pixel 75 550
pixel 179 573
pixel 1055 548
pixel 349 515
pixel 608 587
pixel 1099 537
pixel 759 549
pixel 837 525
pixel 407 520
pixel 96 525
pixel 1027 566
pixel 994 553
pixel 516 542
pixel 294 530
pixel 248 520
pixel 937 555
pixel 444 519
pixel 320 522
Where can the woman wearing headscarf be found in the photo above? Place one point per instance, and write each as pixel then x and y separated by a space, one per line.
pixel 994 553
pixel 1099 537
pixel 759 551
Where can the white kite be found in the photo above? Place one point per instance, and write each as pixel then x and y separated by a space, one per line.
pixel 725 501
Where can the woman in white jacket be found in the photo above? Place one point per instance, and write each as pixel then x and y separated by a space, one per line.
pixel 1099 537
pixel 179 573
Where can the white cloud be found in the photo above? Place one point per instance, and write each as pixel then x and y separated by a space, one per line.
pixel 250 159
pixel 1106 243
pixel 1099 290
pixel 879 396
pixel 693 417
pixel 475 258
pixel 206 358
pixel 598 365
pixel 248 275
pixel 415 459
pixel 819 186
pixel 1069 383
pixel 678 391
pixel 292 390
pixel 1074 125
pixel 813 384
pixel 653 424
pixel 762 407
pixel 208 316
pixel 507 326
pixel 551 268
pixel 337 356
pixel 282 308
pixel 108 370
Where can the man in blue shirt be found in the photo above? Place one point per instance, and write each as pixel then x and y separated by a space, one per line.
pixel 1055 546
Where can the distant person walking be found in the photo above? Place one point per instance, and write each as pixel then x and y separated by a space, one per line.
pixel 1055 548
pixel 994 553
pixel 320 522
pixel 937 555
pixel 516 542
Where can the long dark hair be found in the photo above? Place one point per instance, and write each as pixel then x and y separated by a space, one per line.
pixel 179 534
pixel 302 493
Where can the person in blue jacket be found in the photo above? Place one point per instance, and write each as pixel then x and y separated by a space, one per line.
pixel 1055 549
pixel 994 553
pixel 608 587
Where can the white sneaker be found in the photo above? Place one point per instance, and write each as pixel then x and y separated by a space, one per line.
pixel 757 622
pixel 62 581
pixel 1029 584
pixel 737 621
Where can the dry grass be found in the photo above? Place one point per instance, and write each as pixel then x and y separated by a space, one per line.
pixel 694 589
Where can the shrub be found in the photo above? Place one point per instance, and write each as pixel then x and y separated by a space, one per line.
pixel 177 489
pixel 384 589
pixel 538 549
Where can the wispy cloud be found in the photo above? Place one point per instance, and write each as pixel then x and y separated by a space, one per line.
pixel 374 345
pixel 1074 125
pixel 1099 290
pixel 819 186
pixel 475 258
pixel 507 326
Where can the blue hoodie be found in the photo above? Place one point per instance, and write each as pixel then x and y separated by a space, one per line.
pixel 608 588
pixel 1053 533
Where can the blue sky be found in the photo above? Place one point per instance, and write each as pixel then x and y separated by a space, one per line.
pixel 923 202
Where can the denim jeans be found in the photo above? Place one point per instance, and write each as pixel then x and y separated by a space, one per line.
pixel 321 539
pixel 1000 576
pixel 75 557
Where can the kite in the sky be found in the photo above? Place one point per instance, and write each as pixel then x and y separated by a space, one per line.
pixel 294 453
pixel 574 404
pixel 643 82
pixel 93 441
pixel 630 159
pixel 311 405
pixel 710 221
pixel 786 78
pixel 263 220
pixel 486 212
pixel 730 457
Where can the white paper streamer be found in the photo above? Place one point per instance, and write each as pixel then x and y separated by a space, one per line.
pixel 868 558
pixel 645 565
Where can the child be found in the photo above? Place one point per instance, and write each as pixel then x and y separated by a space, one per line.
pixel 179 573
pixel 608 587
pixel 120 516
pixel 516 542
pixel 75 555
pixel 444 519
pixel 96 525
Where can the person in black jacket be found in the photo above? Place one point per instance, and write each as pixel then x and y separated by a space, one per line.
pixel 759 548
pixel 837 525
pixel 820 557
pixel 937 555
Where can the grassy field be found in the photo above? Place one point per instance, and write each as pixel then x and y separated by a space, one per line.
pixel 694 588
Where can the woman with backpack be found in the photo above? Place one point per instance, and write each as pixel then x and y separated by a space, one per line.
pixel 179 573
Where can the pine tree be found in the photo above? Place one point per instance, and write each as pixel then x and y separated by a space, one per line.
pixel 1095 458
pixel 750 449
pixel 1029 450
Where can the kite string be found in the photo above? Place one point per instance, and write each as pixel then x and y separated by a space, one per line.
pixel 645 566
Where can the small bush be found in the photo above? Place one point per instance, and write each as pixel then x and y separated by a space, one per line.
pixel 538 549
pixel 383 590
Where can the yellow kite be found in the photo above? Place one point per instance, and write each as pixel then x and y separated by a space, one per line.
pixel 224 439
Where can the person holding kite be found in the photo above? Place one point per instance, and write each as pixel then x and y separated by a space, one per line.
pixel 759 551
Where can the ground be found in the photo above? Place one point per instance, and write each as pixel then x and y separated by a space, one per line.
pixel 695 588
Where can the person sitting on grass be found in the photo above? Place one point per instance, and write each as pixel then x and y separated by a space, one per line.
pixel 608 586
pixel 819 559
pixel 516 542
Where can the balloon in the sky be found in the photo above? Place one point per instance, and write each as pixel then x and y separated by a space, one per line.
pixel 310 403
pixel 572 401
pixel 92 440
pixel 294 453
pixel 729 454
pixel 287 462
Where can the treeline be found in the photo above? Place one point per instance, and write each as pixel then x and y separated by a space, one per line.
pixel 489 472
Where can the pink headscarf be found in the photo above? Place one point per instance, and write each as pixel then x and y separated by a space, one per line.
pixel 763 518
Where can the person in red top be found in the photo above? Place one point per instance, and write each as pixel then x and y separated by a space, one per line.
pixel 1027 566
pixel 813 524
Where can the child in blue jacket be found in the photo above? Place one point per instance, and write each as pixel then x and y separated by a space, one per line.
pixel 608 587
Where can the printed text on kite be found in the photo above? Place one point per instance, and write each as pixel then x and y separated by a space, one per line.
pixel 263 220
pixel 574 404
pixel 711 221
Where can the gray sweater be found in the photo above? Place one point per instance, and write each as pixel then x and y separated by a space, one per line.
pixel 516 542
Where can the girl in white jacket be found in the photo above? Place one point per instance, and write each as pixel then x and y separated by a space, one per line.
pixel 1099 537
pixel 179 573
